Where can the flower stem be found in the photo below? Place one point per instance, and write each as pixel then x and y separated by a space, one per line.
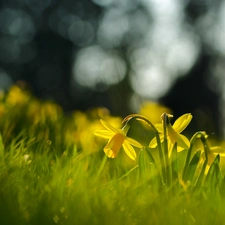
pixel 199 134
pixel 161 155
pixel 166 153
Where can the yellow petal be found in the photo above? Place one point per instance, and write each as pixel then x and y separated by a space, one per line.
pixel 104 133
pixel 180 139
pixel 134 142
pixel 153 142
pixel 182 122
pixel 172 134
pixel 114 145
pixel 108 126
pixel 159 127
pixel 129 150
pixel 170 148
pixel 218 150
pixel 179 149
pixel 183 142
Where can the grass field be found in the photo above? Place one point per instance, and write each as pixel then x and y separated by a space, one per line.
pixel 53 169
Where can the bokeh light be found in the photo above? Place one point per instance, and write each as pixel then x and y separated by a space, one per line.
pixel 94 66
pixel 5 81
pixel 113 27
pixel 38 5
pixel 138 49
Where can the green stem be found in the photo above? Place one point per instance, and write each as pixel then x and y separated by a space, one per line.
pixel 202 136
pixel 201 176
pixel 187 161
pixel 161 156
pixel 197 135
pixel 206 147
pixel 101 166
pixel 168 177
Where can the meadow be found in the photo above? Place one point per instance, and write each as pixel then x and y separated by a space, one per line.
pixel 61 169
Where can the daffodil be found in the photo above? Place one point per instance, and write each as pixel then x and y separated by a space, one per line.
pixel 117 139
pixel 173 133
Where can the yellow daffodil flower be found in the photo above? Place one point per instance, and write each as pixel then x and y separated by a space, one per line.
pixel 117 139
pixel 173 133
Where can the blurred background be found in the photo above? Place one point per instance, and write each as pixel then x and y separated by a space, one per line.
pixel 118 54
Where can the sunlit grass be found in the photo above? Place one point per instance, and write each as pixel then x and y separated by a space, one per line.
pixel 53 170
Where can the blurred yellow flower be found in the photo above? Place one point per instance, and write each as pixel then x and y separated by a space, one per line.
pixel 173 133
pixel 117 139
pixel 17 96
pixel 151 110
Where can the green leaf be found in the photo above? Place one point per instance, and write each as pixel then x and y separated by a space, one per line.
pixel 201 177
pixel 217 159
pixel 1 149
pixel 128 173
pixel 147 169
pixel 174 163
pixel 187 161
pixel 141 163
pixel 214 176
pixel 192 167
pixel 149 155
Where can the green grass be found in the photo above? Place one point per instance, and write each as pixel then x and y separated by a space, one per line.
pixel 50 175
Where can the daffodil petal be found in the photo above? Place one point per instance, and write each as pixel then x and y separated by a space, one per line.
pixel 172 134
pixel 108 126
pixel 104 133
pixel 159 127
pixel 179 149
pixel 154 143
pixel 170 148
pixel 175 137
pixel 134 142
pixel 182 122
pixel 182 141
pixel 129 150
pixel 217 150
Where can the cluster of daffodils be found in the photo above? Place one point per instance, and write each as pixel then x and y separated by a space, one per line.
pixel 169 142
pixel 118 138
pixel 167 137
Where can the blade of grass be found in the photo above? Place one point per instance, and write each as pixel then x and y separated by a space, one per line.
pixel 101 166
pixel 200 179
pixel 187 161
pixel 156 176
pixel 213 178
pixel 174 164
pixel 129 172
pixel 192 167
pixel 2 150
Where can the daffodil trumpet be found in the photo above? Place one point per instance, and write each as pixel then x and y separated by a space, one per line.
pixel 117 139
